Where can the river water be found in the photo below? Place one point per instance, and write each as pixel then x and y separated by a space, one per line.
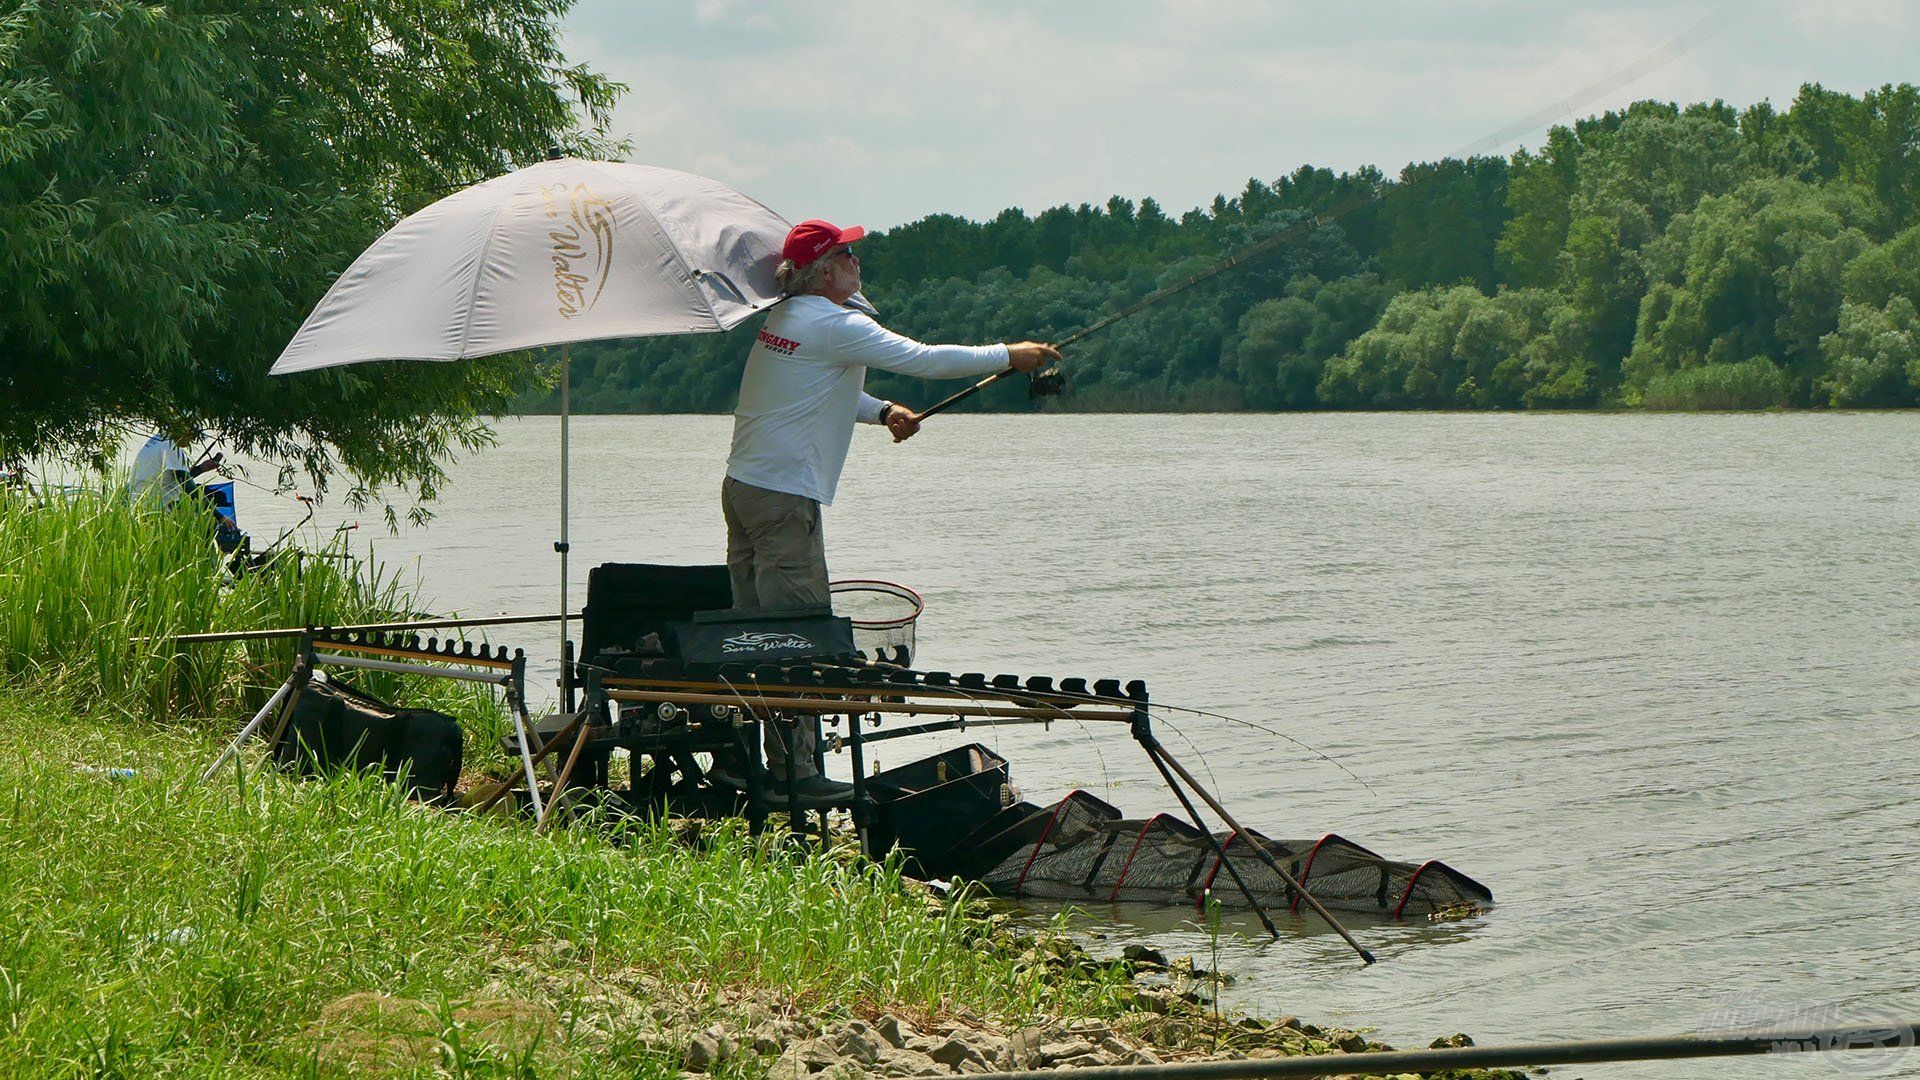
pixel 1650 678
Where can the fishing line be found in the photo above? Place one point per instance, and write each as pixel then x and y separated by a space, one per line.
pixel 1197 752
pixel 1276 734
pixel 1223 716
pixel 1050 382
pixel 852 719
pixel 1106 777
pixel 976 504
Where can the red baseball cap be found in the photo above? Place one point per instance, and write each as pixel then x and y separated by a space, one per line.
pixel 813 238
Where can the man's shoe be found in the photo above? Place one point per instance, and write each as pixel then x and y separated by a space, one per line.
pixel 721 775
pixel 813 792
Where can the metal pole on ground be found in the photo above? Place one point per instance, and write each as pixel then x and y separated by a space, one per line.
pixel 1880 1036
pixel 518 707
pixel 303 676
pixel 560 782
pixel 501 788
pixel 561 545
pixel 260 717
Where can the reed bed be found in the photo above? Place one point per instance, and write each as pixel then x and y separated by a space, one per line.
pixel 94 585
pixel 1756 384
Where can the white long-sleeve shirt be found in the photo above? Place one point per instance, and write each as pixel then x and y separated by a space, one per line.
pixel 801 392
pixel 158 469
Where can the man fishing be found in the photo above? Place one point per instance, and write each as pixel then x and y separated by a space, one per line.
pixel 799 399
pixel 162 471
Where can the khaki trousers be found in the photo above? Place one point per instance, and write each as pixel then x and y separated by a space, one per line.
pixel 776 558
pixel 776 553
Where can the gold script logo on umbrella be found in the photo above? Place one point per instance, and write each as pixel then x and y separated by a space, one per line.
pixel 582 237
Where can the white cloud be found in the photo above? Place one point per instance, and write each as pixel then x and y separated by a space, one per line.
pixel 729 13
pixel 1827 16
pixel 881 111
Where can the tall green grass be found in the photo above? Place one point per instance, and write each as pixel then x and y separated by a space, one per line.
pixel 94 586
pixel 152 927
pixel 1756 384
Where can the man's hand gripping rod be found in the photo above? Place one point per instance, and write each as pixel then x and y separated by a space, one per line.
pixel 1044 384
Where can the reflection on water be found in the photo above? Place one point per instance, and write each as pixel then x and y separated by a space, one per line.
pixel 1651 678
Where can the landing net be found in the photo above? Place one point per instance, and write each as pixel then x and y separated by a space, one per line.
pixel 884 615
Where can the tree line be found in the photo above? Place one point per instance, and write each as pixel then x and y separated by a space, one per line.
pixel 180 183
pixel 1656 256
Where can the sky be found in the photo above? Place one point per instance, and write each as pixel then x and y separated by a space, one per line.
pixel 880 112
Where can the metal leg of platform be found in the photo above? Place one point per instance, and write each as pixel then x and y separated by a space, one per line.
pixel 862 810
pixel 750 731
pixel 1160 754
pixel 233 748
pixel 795 816
pixel 820 770
pixel 1219 850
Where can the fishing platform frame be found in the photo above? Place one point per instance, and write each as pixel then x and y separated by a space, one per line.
pixel 669 711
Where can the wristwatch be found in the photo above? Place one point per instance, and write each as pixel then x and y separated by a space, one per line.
pixel 885 408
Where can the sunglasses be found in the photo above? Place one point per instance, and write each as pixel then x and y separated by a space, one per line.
pixel 847 251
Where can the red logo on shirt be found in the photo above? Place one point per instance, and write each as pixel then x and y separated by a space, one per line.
pixel 783 346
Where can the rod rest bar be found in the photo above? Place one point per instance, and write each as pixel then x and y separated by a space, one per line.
pixel 817 676
pixel 959 724
pixel 369 663
pixel 933 685
pixel 824 705
pixel 410 646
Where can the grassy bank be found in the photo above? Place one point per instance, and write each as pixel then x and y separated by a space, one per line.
pixel 149 926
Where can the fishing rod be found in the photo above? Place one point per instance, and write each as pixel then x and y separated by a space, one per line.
pixel 1051 382
pixel 395 627
pixel 1896 1036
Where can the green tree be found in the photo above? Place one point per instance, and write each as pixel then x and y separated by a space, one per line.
pixel 1873 356
pixel 1455 347
pixel 1441 223
pixel 1406 360
pixel 1754 273
pixel 179 184
pixel 1281 347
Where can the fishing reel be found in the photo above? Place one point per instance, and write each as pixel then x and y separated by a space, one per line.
pixel 1048 383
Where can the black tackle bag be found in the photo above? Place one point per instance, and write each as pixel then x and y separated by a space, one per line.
pixel 335 727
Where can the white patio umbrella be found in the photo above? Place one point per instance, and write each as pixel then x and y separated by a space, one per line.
pixel 563 251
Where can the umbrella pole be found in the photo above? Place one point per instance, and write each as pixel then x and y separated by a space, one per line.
pixel 566 677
